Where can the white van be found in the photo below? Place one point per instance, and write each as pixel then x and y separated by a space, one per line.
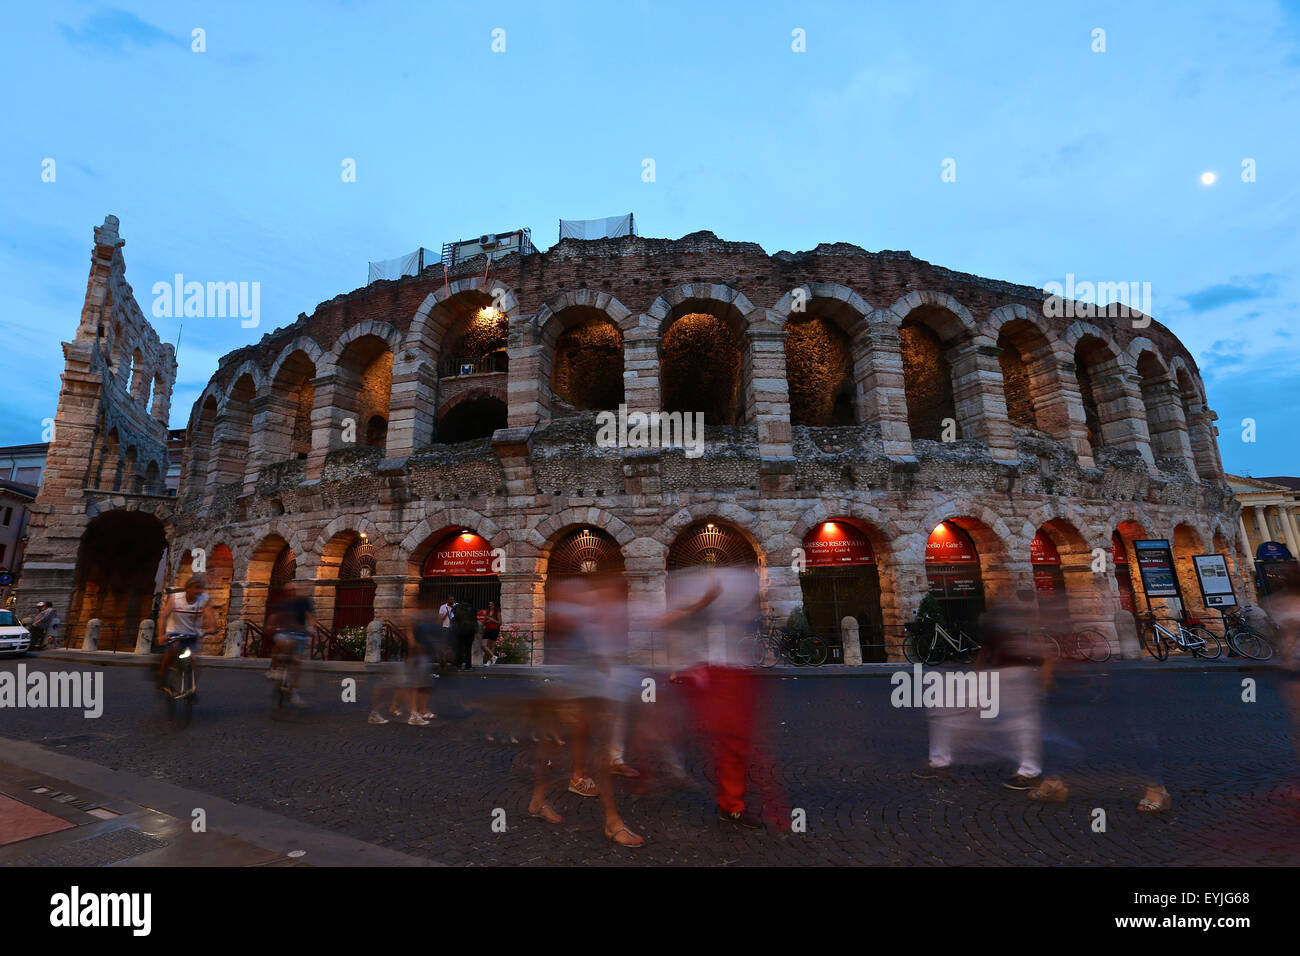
pixel 14 638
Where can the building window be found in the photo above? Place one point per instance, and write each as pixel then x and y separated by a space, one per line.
pixel 9 513
pixel 3 548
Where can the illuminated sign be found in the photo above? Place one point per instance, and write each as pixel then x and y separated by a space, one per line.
pixel 460 554
pixel 835 544
pixel 948 544
pixel 1156 565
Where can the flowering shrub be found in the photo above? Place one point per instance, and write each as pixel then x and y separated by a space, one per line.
pixel 512 645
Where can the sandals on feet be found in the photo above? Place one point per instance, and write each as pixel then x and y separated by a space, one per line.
pixel 584 787
pixel 625 837
pixel 544 812
pixel 1050 790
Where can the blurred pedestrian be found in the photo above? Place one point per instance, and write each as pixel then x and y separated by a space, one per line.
pixel 489 619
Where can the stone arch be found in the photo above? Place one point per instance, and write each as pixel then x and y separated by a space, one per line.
pixel 430 323
pixel 826 353
pixel 303 343
pixel 961 325
pixel 359 524
pixel 420 540
pixel 1034 385
pixel 703 352
pixel 724 511
pixel 256 376
pixel 1100 368
pixel 1161 402
pixel 562 324
pixel 987 528
pixel 546 533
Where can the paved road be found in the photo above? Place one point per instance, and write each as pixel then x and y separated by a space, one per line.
pixel 835 748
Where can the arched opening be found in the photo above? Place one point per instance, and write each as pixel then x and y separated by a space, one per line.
pixel 587 373
pixel 271 570
pixel 1199 433
pixel 1029 381
pixel 584 554
pixel 153 479
pixel 118 574
pixel 460 565
pixel 476 337
pixel 349 563
pixel 289 421
pixel 366 367
pixel 715 546
pixel 700 365
pixel 1091 356
pixel 841 587
pixel 1160 401
pixel 819 371
pixel 955 575
pixel 927 379
pixel 472 419
pixel 110 463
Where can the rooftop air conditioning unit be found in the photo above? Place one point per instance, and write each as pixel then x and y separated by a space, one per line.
pixel 488 242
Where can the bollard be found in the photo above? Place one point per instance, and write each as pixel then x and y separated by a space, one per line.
pixel 144 637
pixel 234 639
pixel 374 641
pixel 849 635
pixel 92 635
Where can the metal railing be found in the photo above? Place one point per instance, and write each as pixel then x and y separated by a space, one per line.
pixel 484 364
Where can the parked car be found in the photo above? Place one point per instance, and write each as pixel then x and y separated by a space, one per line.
pixel 14 638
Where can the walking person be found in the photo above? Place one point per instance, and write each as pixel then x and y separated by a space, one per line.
pixel 464 625
pixel 489 619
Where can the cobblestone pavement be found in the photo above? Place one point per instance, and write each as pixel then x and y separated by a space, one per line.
pixel 833 748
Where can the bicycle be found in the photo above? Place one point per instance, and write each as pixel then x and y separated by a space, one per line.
pixel 179 686
pixel 772 644
pixel 284 669
pixel 930 646
pixel 1243 639
pixel 1193 639
pixel 1085 644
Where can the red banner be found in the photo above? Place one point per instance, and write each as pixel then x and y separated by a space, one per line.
pixel 835 544
pixel 1042 551
pixel 461 554
pixel 1117 552
pixel 949 544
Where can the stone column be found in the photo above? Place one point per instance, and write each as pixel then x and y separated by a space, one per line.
pixel 977 392
pixel 1261 519
pixel 641 366
pixel 412 405
pixel 647 644
pixel 767 393
pixel 528 378
pixel 91 642
pixel 1288 529
pixel 1060 409
pixel 272 436
pixel 523 605
pixel 1166 423
pixel 144 636
pixel 334 402
pixel 390 599
pixel 1119 406
pixel 881 396
pixel 230 447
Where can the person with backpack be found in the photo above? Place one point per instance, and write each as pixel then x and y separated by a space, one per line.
pixel 464 625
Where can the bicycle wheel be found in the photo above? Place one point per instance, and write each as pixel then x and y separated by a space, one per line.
pixel 813 651
pixel 1249 644
pixel 916 649
pixel 1213 646
pixel 1092 645
pixel 753 649
pixel 1154 643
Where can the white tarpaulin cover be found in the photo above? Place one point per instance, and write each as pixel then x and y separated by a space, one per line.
pixel 607 228
pixel 401 266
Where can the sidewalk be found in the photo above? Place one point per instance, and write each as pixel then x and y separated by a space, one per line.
pixel 57 810
pixel 552 671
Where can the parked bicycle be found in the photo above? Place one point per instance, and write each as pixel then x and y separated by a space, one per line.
pixel 1191 638
pixel 930 643
pixel 1085 644
pixel 773 644
pixel 1243 639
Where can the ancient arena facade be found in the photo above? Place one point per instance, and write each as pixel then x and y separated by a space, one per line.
pixel 876 427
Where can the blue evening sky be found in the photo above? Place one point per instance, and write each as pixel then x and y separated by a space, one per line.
pixel 225 165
